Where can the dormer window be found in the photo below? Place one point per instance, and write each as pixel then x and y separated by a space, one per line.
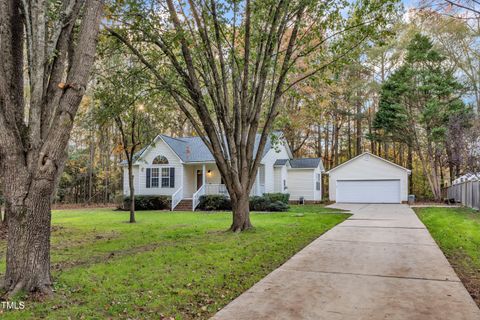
pixel 160 160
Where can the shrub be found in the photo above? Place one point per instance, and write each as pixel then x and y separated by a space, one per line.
pixel 259 203
pixel 214 202
pixel 148 203
pixel 274 197
pixel 278 206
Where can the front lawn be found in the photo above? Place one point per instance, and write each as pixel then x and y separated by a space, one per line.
pixel 457 232
pixel 168 264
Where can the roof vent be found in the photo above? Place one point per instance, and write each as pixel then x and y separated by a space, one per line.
pixel 367 157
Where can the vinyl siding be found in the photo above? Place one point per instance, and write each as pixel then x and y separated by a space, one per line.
pixel 301 183
pixel 160 148
pixel 317 194
pixel 126 188
pixel 277 179
pixel 278 152
pixel 368 167
pixel 190 177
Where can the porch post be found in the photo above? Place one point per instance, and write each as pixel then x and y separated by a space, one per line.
pixel 203 174
pixel 257 183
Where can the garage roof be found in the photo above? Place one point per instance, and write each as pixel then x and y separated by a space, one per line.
pixel 370 154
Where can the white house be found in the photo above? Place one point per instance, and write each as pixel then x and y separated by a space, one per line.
pixel 184 169
pixel 368 178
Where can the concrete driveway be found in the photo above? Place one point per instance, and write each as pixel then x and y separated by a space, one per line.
pixel 381 263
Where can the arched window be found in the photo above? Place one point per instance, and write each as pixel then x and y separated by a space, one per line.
pixel 160 160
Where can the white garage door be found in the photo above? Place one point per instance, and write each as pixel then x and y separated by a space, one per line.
pixel 368 191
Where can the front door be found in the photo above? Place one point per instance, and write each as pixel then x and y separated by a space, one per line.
pixel 199 179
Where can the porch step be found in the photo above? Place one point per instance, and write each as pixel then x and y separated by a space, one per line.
pixel 184 205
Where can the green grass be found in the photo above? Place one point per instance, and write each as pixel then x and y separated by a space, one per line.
pixel 457 232
pixel 168 264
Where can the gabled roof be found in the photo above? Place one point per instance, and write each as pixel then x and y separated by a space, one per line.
pixel 370 154
pixel 305 163
pixel 193 149
pixel 280 162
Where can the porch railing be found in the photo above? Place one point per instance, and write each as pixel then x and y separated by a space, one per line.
pixel 177 197
pixel 216 189
pixel 196 197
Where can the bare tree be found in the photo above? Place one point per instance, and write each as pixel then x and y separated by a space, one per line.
pixel 226 63
pixel 36 118
pixel 123 92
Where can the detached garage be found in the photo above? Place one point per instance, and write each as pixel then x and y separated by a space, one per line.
pixel 368 178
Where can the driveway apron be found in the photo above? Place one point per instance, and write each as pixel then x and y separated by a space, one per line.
pixel 381 263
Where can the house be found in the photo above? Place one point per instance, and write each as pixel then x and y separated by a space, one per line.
pixel 185 169
pixel 368 178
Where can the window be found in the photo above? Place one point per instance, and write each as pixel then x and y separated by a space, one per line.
pixel 160 160
pixel 155 177
pixel 318 181
pixel 165 177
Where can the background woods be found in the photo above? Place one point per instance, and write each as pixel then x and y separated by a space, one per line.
pixel 332 113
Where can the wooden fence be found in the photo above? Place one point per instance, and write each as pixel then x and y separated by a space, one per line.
pixel 466 193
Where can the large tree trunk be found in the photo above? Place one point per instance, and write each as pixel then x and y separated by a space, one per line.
pixel 241 213
pixel 28 198
pixel 28 247
pixel 32 148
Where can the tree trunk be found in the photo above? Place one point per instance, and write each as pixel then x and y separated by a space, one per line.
pixel 132 192
pixel 358 127
pixel 326 156
pixel 28 196
pixel 241 213
pixel 410 167
pixel 349 137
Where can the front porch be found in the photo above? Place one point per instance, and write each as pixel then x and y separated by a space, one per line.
pixel 205 179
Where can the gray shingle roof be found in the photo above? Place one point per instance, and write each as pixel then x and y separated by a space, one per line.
pixel 280 162
pixel 306 163
pixel 193 149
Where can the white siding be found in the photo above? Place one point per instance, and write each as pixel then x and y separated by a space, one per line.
pixel 284 177
pixel 317 194
pixel 301 183
pixel 369 167
pixel 277 179
pixel 160 148
pixel 126 187
pixel 190 177
pixel 279 175
pixel 279 152
pixel 189 180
